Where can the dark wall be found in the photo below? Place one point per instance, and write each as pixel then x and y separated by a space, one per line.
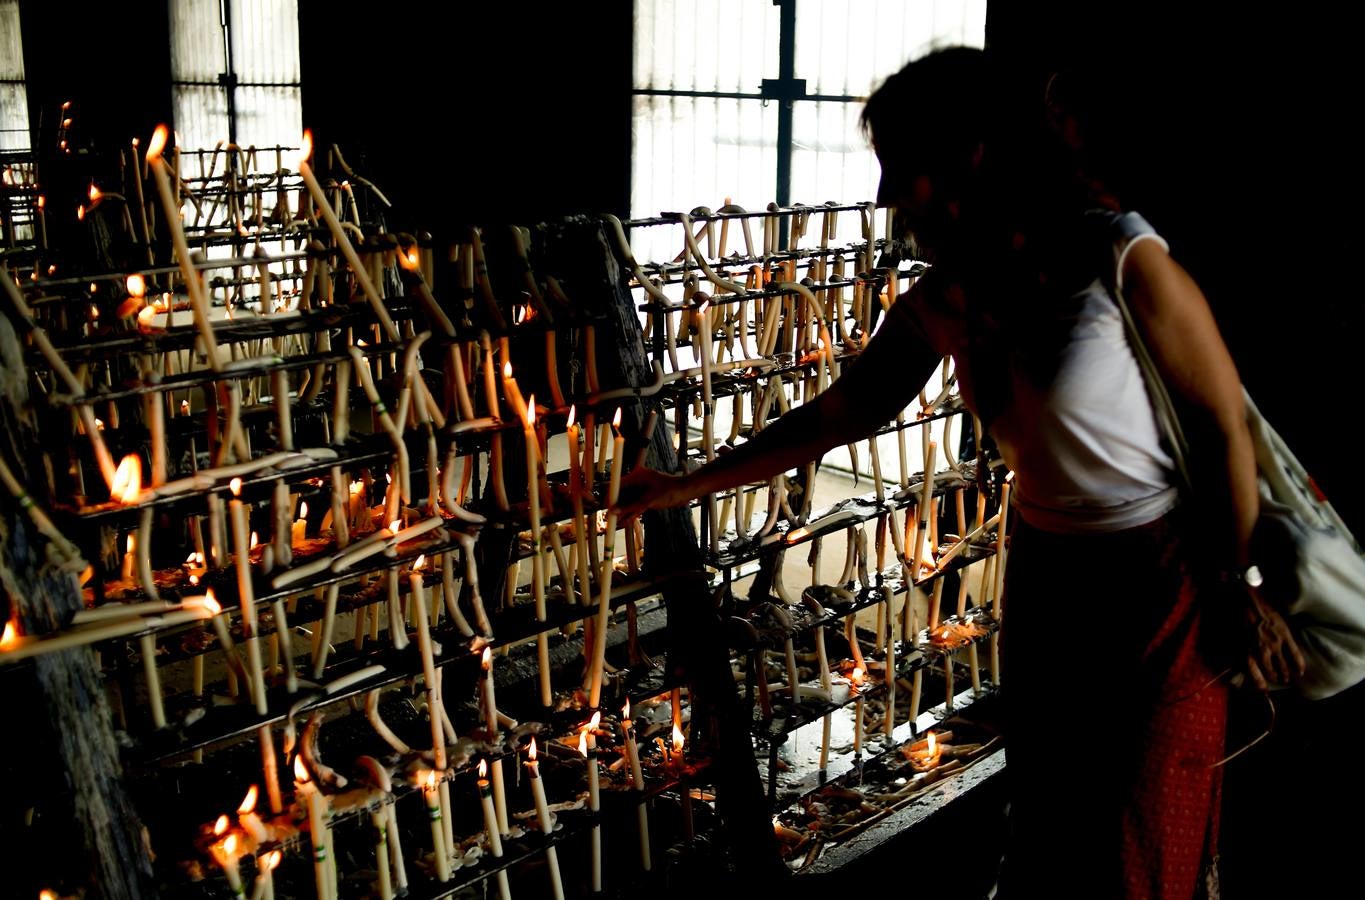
pixel 476 112
pixel 1232 134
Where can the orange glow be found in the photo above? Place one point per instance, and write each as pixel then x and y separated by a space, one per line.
pixel 307 150
pixel 396 525
pixel 95 193
pixel 677 739
pixel 300 771
pixel 136 284
pixel 127 484
pixel 797 535
pixel 211 603
pixel 933 744
pixel 483 768
pixel 131 544
pixel 583 742
pixel 146 316
pixel 46 894
pixel 80 213
pixel 272 860
pixel 157 144
pixel 235 485
pixel 857 676
pixel 10 637
pixel 221 825
pixel 409 259
pixel 42 201
pixel 255 540
pixel 428 779
pixel 531 753
pixel 230 845
pixel 625 711
pixel 248 802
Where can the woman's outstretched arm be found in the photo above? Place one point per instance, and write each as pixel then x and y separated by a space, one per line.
pixel 891 369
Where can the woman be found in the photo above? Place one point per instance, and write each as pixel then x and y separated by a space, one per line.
pixel 1023 250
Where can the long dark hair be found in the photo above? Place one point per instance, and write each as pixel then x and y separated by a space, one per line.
pixel 935 112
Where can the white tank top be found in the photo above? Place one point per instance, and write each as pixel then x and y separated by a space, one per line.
pixel 1081 437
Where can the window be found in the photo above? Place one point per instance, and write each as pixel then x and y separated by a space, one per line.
pixel 756 100
pixel 235 72
pixel 14 133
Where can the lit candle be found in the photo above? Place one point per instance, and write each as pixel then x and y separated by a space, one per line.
pixel 528 412
pixel 490 824
pixel 246 815
pixel 546 823
pixel 313 802
pixel 490 703
pixel 438 835
pixel 265 875
pixel 129 559
pixel 170 204
pixel 608 569
pixel 358 269
pixel 246 597
pixel 126 486
pixel 417 602
pixel 300 526
pixel 857 686
pixel 226 854
pixel 633 758
pixel 587 745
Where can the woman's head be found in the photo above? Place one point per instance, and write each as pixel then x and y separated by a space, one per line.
pixel 968 151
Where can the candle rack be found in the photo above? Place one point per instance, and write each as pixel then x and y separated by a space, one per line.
pixel 278 347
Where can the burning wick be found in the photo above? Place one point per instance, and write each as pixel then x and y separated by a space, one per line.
pixel 127 483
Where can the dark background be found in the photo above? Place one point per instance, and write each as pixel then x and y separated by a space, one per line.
pixel 1230 130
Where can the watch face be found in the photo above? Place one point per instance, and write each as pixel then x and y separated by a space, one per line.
pixel 1252 576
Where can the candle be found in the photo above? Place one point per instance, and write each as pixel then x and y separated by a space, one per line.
pixel 358 269
pixel 528 413
pixel 546 823
pixel 250 822
pixel 417 602
pixel 633 758
pixel 587 745
pixel 170 204
pixel 300 526
pixel 490 703
pixel 265 875
pixel 608 569
pixel 246 597
pixel 438 836
pixel 129 559
pixel 226 854
pixel 490 824
pixel 126 486
pixel 313 803
pixel 856 683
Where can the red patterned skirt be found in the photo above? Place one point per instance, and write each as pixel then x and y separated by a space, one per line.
pixel 1114 719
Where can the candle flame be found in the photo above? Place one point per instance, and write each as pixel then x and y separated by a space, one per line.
pixel 486 660
pixel 303 510
pixel 211 603
pixel 616 419
pixel 46 894
pixel 573 413
pixel 248 802
pixel 798 534
pixel 131 543
pixel 677 739
pixel 95 193
pixel 99 424
pixel 127 483
pixel 307 149
pixel 157 144
pixel 583 742
pixel 230 845
pixel 146 316
pixel 236 487
pixel 10 637
pixel 221 825
pixel 420 561
pixel 857 675
pixel 396 525
pixel 42 201
pixel 531 753
pixel 507 369
pixel 483 768
pixel 428 779
pixel 595 720
pixel 409 259
pixel 136 284
pixel 625 711
pixel 255 540
pixel 300 771
pixel 272 860
pixel 80 213
pixel 531 411
pixel 933 744
pixel 184 407
pixel 357 487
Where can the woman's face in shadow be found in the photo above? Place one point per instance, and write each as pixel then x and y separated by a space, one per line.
pixel 928 203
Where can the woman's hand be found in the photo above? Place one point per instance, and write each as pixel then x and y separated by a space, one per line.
pixel 1273 656
pixel 644 488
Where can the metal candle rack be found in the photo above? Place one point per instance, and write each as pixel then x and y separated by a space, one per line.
pixel 299 355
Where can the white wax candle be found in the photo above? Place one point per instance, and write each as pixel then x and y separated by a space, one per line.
pixel 490 823
pixel 417 602
pixel 246 596
pixel 546 824
pixel 438 835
